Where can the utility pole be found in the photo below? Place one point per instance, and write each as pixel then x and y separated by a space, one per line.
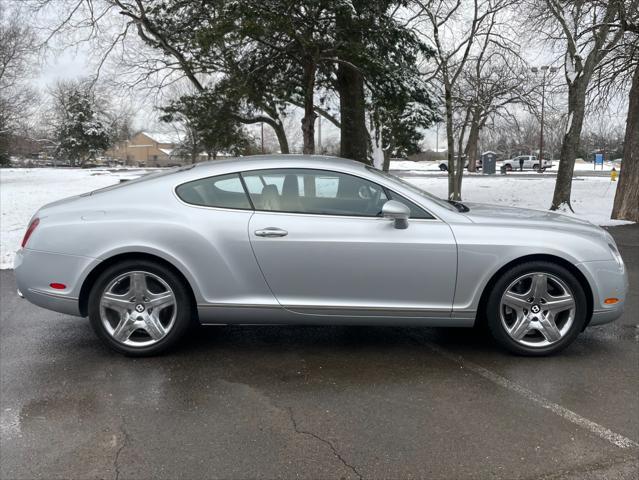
pixel 544 69
pixel 262 136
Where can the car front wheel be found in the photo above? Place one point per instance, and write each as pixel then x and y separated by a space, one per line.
pixel 139 308
pixel 536 308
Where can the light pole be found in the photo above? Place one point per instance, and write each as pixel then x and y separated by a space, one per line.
pixel 544 70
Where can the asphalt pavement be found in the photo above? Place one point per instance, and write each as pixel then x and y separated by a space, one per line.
pixel 317 402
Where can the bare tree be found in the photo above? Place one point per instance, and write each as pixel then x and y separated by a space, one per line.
pixel 458 31
pixel 497 81
pixel 17 46
pixel 586 31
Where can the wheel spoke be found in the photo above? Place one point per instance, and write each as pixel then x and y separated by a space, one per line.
pixel 158 301
pixel 539 287
pixel 559 304
pixel 124 329
pixel 548 328
pixel 521 327
pixel 138 285
pixel 516 301
pixel 119 303
pixel 153 326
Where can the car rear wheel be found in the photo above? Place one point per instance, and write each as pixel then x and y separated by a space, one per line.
pixel 443 167
pixel 536 308
pixel 509 167
pixel 139 308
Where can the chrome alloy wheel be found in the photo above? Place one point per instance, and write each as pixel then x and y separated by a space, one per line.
pixel 138 308
pixel 537 309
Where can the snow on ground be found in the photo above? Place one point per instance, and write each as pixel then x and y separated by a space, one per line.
pixel 24 190
pixel 433 166
pixel 425 166
pixel 592 197
pixel 589 167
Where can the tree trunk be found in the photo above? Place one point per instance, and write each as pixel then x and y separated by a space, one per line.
pixel 450 140
pixel 459 161
pixel 353 133
pixel 471 145
pixel 626 206
pixel 387 156
pixel 278 128
pixel 570 144
pixel 354 138
pixel 308 122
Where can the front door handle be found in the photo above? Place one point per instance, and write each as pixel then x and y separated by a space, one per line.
pixel 271 232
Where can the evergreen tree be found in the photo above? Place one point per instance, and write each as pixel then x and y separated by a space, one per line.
pixel 80 134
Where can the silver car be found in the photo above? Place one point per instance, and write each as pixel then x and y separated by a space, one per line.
pixel 313 240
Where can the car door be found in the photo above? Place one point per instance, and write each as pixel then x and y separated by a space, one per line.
pixel 323 248
pixel 530 162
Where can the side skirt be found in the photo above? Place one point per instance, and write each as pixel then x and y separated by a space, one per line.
pixel 276 315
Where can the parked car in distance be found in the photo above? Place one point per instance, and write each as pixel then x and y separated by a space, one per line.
pixel 530 163
pixel 313 240
pixel 443 165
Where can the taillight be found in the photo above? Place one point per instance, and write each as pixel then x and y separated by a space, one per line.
pixel 32 226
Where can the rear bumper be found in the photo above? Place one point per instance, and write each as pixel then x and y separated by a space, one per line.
pixel 608 280
pixel 35 271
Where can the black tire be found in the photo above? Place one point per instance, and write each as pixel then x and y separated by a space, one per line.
pixel 443 168
pixel 500 333
pixel 183 316
pixel 508 167
pixel 536 166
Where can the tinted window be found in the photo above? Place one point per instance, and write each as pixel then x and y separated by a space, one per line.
pixel 415 211
pixel 314 191
pixel 224 191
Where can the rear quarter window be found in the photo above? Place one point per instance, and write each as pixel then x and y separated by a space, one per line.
pixel 223 191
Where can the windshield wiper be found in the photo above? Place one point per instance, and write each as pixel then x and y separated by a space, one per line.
pixel 459 206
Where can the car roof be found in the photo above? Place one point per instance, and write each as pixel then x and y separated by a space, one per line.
pixel 258 162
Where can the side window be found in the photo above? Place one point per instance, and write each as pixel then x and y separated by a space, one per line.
pixel 415 210
pixel 314 191
pixel 224 191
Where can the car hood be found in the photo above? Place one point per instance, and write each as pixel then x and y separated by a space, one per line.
pixel 495 214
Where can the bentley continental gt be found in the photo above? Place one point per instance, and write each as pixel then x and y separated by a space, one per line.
pixel 311 240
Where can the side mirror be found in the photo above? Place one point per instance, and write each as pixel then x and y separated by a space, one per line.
pixel 398 212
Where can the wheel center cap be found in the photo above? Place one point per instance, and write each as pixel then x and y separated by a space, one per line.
pixel 535 308
pixel 139 308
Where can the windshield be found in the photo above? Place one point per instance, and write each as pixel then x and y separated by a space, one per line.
pixel 414 189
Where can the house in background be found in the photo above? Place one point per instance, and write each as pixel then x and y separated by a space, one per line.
pixel 148 149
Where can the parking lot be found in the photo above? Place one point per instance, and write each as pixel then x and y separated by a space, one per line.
pixel 317 402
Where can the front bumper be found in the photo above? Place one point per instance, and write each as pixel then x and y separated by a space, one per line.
pixel 607 279
pixel 35 271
